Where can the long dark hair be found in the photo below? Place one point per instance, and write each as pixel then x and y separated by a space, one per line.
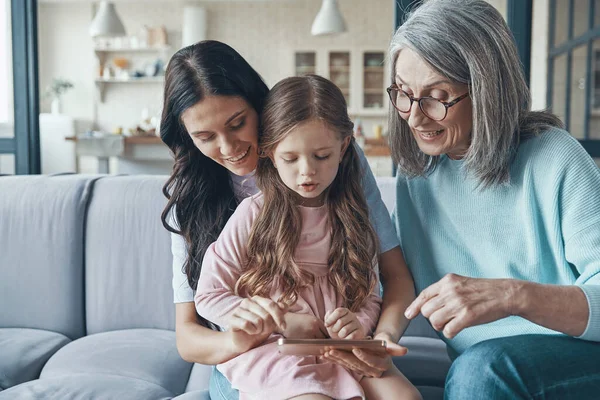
pixel 276 232
pixel 199 190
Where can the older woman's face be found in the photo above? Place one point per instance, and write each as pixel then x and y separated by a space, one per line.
pixel 225 129
pixel 452 135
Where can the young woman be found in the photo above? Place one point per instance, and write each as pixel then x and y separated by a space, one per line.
pixel 305 242
pixel 212 101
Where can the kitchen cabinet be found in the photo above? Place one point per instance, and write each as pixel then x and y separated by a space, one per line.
pixel 361 74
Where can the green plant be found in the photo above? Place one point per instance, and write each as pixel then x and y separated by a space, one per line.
pixel 57 88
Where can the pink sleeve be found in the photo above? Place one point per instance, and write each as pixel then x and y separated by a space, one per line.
pixel 222 265
pixel 368 314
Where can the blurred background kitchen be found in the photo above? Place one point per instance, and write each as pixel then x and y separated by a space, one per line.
pixel 99 68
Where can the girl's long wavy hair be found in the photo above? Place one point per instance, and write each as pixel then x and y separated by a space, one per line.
pixel 199 191
pixel 276 232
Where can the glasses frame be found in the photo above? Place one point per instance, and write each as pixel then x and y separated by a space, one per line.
pixel 446 104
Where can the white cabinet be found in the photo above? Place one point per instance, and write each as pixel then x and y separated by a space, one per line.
pixel 361 74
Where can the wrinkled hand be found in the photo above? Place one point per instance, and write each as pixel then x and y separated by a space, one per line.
pixel 253 321
pixel 342 323
pixel 365 362
pixel 457 302
pixel 303 326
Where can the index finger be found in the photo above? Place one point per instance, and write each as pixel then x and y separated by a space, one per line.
pixel 276 312
pixel 415 307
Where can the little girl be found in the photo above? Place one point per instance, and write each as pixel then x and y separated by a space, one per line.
pixel 305 242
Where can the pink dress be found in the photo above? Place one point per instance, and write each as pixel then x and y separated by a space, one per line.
pixel 262 373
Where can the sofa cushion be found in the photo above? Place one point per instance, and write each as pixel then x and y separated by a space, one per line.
pixel 78 386
pixel 23 353
pixel 41 247
pixel 426 363
pixel 128 256
pixel 148 355
pixel 195 395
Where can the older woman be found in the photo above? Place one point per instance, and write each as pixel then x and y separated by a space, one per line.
pixel 498 211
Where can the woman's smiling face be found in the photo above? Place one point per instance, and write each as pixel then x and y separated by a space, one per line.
pixel 225 129
pixel 452 135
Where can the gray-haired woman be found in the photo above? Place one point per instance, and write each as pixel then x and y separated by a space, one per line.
pixel 498 211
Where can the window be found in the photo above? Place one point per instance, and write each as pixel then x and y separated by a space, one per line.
pixel 596 92
pixel 6 90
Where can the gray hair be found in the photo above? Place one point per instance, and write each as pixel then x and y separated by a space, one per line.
pixel 468 42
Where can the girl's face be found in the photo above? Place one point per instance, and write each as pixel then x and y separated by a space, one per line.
pixel 452 135
pixel 225 129
pixel 307 160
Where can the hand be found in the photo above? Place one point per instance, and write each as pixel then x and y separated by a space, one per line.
pixel 253 321
pixel 303 326
pixel 365 362
pixel 457 302
pixel 342 323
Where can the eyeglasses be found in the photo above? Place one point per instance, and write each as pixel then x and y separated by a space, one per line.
pixel 433 108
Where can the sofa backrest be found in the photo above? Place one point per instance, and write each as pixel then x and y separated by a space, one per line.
pixel 41 252
pixel 127 256
pixel 86 254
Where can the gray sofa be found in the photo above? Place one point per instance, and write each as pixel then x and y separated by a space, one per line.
pixel 86 306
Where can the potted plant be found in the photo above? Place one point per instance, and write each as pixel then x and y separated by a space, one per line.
pixel 55 91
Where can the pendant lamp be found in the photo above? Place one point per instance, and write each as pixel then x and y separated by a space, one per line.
pixel 329 20
pixel 107 21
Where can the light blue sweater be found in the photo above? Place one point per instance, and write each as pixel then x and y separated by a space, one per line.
pixel 543 227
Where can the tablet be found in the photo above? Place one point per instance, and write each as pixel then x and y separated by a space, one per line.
pixel 316 347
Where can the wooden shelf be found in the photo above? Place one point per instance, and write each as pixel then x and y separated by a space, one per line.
pixel 377 151
pixel 102 82
pixel 151 79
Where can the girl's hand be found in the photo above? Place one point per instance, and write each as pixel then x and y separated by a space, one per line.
pixel 257 316
pixel 254 321
pixel 342 323
pixel 457 302
pixel 303 326
pixel 365 362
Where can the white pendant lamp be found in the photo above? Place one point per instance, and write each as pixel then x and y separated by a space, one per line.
pixel 329 20
pixel 107 21
pixel 194 25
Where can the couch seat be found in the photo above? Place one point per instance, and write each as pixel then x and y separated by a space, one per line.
pixel 23 353
pixel 86 386
pixel 426 365
pixel 148 356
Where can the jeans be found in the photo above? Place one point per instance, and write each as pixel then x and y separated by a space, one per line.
pixel 220 388
pixel 526 367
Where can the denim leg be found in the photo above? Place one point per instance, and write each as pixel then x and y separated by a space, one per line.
pixel 526 367
pixel 220 388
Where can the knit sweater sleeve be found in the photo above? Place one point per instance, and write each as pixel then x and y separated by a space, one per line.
pixel 578 191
